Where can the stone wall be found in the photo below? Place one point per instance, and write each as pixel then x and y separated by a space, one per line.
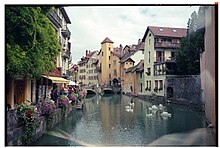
pixel 15 130
pixel 183 89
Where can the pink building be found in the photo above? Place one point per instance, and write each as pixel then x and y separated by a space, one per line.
pixel 207 65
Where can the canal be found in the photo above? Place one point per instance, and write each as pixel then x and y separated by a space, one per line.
pixel 105 121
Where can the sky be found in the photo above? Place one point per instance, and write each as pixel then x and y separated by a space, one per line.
pixel 90 25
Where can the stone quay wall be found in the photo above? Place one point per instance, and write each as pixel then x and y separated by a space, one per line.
pixel 15 129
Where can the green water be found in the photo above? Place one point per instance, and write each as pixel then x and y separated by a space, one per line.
pixel 104 121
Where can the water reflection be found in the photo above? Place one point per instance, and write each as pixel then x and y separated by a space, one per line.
pixel 105 121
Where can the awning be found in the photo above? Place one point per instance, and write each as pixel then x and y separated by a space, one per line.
pixel 72 83
pixel 56 79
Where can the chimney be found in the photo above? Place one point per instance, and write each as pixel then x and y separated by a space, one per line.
pixel 139 41
pixel 121 46
pixel 86 53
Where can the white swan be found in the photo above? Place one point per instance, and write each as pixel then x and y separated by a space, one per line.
pixel 132 104
pixel 161 107
pixel 154 107
pixel 149 115
pixel 129 110
pixel 165 114
pixel 128 107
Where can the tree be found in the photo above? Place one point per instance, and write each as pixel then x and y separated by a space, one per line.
pixel 31 41
pixel 192 45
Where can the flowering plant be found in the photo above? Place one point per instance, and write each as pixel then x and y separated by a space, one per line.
pixel 30 115
pixel 63 101
pixel 27 112
pixel 48 107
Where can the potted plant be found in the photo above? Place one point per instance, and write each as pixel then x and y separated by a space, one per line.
pixel 63 103
pixel 30 116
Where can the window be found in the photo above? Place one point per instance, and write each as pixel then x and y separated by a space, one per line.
pixel 109 65
pixel 115 72
pixel 156 83
pixel 141 75
pixel 102 53
pixel 114 62
pixel 148 71
pixel 173 55
pixel 109 48
pixel 109 57
pixel 149 56
pixel 161 84
pixel 159 56
pixel 110 76
pixel 149 42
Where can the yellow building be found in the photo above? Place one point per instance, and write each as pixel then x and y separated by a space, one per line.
pixel 109 65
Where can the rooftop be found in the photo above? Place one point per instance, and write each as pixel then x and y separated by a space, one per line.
pixel 106 40
pixel 166 32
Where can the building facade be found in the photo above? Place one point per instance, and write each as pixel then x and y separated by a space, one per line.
pixel 108 64
pixel 159 57
pixel 88 73
pixel 129 62
pixel 26 90
pixel 208 66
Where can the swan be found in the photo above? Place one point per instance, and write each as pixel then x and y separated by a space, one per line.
pixel 129 110
pixel 154 107
pixel 149 115
pixel 127 107
pixel 131 104
pixel 161 107
pixel 165 114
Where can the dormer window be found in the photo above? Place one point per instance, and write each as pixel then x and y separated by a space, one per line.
pixel 174 30
pixel 161 29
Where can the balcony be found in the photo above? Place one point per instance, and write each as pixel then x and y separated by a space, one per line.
pixel 167 45
pixel 65 32
pixel 66 54
pixel 165 68
pixel 55 19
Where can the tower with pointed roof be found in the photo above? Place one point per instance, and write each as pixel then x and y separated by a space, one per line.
pixel 104 56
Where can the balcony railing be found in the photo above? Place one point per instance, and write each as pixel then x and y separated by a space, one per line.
pixel 165 68
pixel 65 31
pixel 167 45
pixel 54 18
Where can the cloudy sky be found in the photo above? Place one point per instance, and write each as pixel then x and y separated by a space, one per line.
pixel 90 25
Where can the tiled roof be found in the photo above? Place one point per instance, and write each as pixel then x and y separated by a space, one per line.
pixel 166 32
pixel 117 51
pixel 106 40
pixel 127 55
pixel 137 67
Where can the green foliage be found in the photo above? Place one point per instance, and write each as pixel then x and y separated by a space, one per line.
pixel 31 41
pixel 188 56
pixel 30 115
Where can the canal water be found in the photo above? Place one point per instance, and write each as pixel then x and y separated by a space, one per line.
pixel 105 121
